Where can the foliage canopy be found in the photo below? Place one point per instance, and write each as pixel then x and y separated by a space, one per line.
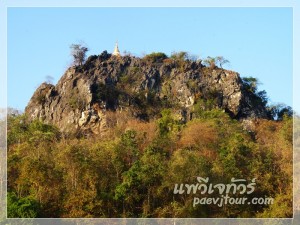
pixel 132 171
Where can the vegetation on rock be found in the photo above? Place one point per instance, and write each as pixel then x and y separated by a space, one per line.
pixel 78 51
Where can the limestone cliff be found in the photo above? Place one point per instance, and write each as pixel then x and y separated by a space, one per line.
pixel 84 94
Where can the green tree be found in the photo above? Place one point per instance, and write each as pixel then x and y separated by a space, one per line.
pixel 250 83
pixel 167 123
pixel 17 129
pixel 184 167
pixel 179 56
pixel 22 207
pixel 210 61
pixel 221 61
pixel 139 188
pixel 278 111
pixel 155 57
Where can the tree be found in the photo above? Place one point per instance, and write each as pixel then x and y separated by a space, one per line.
pixel 221 61
pixel 140 183
pixel 280 110
pixel 199 134
pixel 210 61
pixel 78 51
pixel 49 79
pixel 155 57
pixel 250 83
pixel 213 61
pixel 21 207
pixel 167 124
pixel 179 56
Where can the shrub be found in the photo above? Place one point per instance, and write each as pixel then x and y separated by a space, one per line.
pixel 155 57
pixel 221 61
pixel 179 56
pixel 210 61
pixel 180 59
pixel 250 83
pixel 168 61
pixel 21 207
pixel 91 59
pixel 107 93
pixel 76 101
pixel 41 98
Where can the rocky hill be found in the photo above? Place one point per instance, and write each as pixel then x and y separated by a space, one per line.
pixel 84 95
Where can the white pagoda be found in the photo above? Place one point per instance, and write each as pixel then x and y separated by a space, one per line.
pixel 116 50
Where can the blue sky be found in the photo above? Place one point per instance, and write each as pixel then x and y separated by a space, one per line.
pixel 256 41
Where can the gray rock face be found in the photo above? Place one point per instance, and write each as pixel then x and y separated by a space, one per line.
pixel 83 95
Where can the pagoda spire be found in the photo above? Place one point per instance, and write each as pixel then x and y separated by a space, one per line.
pixel 116 50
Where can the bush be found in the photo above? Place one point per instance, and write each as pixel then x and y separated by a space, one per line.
pixel 76 101
pixel 106 93
pixel 181 59
pixel 210 61
pixel 250 83
pixel 155 57
pixel 179 56
pixel 41 99
pixel 91 59
pixel 279 111
pixel 21 207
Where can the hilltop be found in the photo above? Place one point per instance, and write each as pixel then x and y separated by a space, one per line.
pixel 86 95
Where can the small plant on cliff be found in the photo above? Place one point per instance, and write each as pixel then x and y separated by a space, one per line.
pixel 107 93
pixel 212 62
pixel 76 101
pixel 78 51
pixel 180 59
pixel 179 56
pixel 41 99
pixel 155 57
pixel 221 61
